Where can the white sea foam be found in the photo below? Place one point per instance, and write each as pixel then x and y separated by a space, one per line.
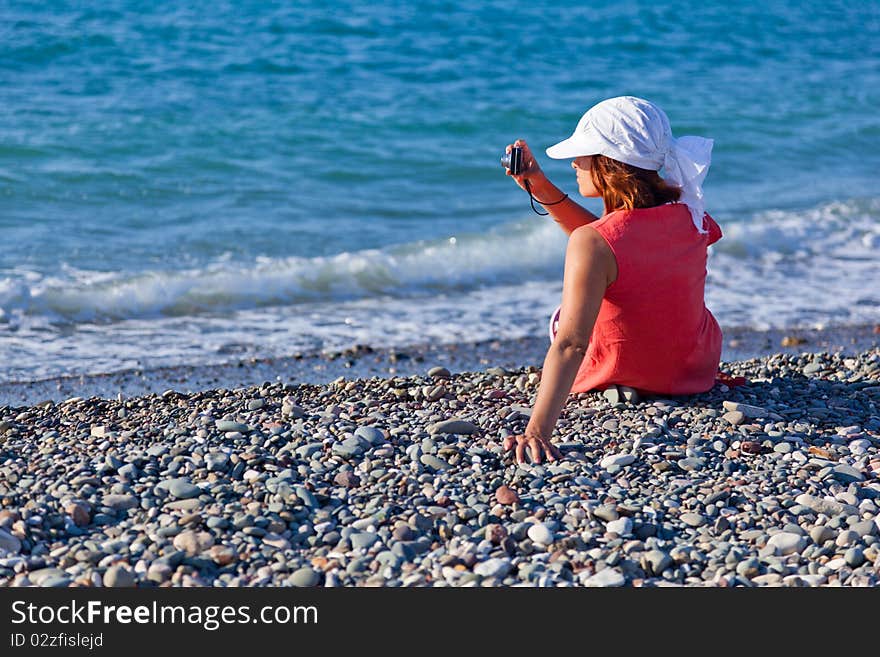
pixel 519 253
pixel 803 268
pixel 776 269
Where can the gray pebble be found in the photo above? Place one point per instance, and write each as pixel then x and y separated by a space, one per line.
pixel 460 427
pixel 119 577
pixel 497 567
pixel 693 519
pixel 605 578
pixel 304 578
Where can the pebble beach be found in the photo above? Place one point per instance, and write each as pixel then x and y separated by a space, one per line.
pixel 401 481
pixel 270 306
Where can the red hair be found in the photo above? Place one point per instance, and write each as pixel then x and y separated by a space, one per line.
pixel 625 187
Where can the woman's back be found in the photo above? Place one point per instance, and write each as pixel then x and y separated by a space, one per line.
pixel 654 332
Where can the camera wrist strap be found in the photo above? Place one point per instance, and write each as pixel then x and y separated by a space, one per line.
pixel 532 200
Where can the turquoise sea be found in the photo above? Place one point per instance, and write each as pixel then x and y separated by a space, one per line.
pixel 195 184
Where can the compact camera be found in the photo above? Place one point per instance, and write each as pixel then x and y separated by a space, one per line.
pixel 513 160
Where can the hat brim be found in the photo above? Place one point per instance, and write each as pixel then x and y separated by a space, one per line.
pixel 575 146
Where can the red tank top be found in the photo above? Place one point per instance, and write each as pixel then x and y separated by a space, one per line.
pixel 654 332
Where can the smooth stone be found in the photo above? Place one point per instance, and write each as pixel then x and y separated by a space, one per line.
pixel 216 461
pixel 693 519
pixel 120 502
pixel 347 479
pixel 734 417
pixel 363 540
pixel 621 526
pixel 656 561
pixel 172 559
pixel 407 550
pixel 276 541
pixel 351 446
pixel 227 425
pixel 812 368
pixel 606 512
pixel 372 435
pixel 855 556
pixel 119 577
pixel 439 372
pixel 9 543
pixel 434 462
pixel 629 394
pixel 304 578
pixel 768 579
pixel 181 488
pixel 846 473
pixel 497 567
pixel 403 532
pixel 691 464
pixel 305 495
pixel 193 542
pixel 217 522
pixel 79 513
pixel 434 393
pixel 540 533
pixel 128 471
pixel 453 426
pixel 605 578
pixel 56 582
pixel 292 410
pixel 613 395
pixel 787 542
pixel 184 505
pixel 865 528
pixel 387 558
pixel 506 495
pixel 748 568
pixel 308 450
pixel 222 555
pixel 159 572
pixel 820 505
pixel 619 460
pixel 747 410
pixel 821 533
pixel 42 574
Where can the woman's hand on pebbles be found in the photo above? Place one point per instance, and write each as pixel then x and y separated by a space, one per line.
pixel 531 169
pixel 538 447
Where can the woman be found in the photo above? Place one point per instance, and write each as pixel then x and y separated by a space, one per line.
pixel 633 312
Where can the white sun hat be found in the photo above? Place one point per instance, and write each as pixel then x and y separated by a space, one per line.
pixel 637 132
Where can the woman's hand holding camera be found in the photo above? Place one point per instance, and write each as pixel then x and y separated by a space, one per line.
pixel 529 166
pixel 530 170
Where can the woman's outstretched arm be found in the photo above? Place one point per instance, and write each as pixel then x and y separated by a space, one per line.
pixel 590 267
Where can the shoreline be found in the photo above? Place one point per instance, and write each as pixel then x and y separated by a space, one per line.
pixel 365 362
